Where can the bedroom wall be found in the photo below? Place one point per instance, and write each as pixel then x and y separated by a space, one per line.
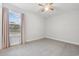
pixel 0 25
pixel 34 27
pixel 64 27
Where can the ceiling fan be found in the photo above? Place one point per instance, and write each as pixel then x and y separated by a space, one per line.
pixel 46 7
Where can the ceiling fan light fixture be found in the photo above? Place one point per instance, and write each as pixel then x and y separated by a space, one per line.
pixel 47 7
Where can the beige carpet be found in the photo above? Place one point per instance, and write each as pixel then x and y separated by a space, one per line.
pixel 42 47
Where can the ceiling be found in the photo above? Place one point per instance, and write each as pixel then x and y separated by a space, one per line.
pixel 58 8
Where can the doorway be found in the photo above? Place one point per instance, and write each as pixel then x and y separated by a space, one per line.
pixel 12 27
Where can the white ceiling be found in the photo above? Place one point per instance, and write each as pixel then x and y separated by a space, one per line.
pixel 58 8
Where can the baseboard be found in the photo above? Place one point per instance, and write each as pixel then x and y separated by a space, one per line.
pixel 54 38
pixel 33 39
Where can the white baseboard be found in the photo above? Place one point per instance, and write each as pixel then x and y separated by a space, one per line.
pixel 54 38
pixel 37 38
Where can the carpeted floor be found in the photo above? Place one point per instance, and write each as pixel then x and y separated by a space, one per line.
pixel 42 47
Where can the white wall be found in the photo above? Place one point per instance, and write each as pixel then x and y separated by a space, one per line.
pixel 64 27
pixel 0 25
pixel 34 26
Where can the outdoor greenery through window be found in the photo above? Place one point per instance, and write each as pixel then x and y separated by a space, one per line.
pixel 14 27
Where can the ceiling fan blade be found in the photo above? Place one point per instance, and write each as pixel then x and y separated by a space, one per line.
pixel 40 4
pixel 42 10
pixel 52 8
pixel 50 3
